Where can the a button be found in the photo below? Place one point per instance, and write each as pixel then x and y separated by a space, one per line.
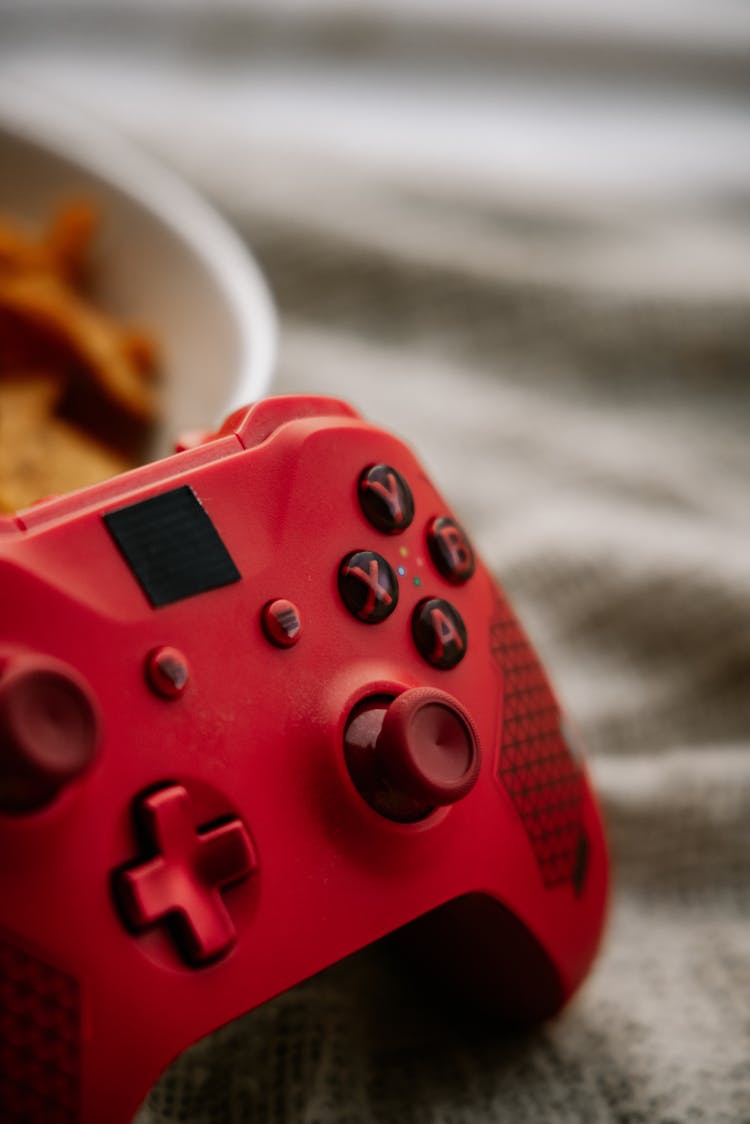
pixel 411 754
pixel 281 623
pixel 167 672
pixel 439 632
pixel 182 883
pixel 386 499
pixel 450 549
pixel 368 586
pixel 49 731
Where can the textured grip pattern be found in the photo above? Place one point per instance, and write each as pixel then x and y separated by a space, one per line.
pixel 39 1040
pixel 540 773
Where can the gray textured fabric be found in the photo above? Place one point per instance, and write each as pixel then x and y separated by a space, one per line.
pixel 524 246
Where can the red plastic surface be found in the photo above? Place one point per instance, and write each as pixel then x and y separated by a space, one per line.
pixel 275 865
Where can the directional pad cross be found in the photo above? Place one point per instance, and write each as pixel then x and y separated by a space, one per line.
pixel 183 881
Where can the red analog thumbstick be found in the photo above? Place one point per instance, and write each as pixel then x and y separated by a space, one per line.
pixel 49 731
pixel 413 753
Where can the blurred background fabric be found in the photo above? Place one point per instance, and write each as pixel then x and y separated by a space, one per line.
pixel 518 236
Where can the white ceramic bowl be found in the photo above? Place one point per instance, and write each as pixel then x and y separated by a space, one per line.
pixel 164 260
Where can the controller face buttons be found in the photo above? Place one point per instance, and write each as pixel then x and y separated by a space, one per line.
pixel 182 882
pixel 386 499
pixel 450 549
pixel 439 632
pixel 412 754
pixel 368 586
pixel 167 672
pixel 281 623
pixel 49 731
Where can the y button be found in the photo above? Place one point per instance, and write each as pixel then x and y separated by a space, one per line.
pixel 386 499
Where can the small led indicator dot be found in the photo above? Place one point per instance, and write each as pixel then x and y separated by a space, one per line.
pixel 403 551
pixel 401 571
pixel 420 561
pixel 417 581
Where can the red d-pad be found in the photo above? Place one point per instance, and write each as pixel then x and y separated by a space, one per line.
pixel 182 883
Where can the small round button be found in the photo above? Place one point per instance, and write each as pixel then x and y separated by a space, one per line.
pixel 281 623
pixel 439 632
pixel 386 499
pixel 49 731
pixel 368 586
pixel 167 672
pixel 411 754
pixel 450 549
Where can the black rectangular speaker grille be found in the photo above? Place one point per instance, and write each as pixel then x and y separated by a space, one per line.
pixel 171 546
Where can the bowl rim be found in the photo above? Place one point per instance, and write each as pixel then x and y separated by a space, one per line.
pixel 71 134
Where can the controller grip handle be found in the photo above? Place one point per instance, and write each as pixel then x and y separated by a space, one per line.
pixel 475 951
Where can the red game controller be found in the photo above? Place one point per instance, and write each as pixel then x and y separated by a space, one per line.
pixel 261 704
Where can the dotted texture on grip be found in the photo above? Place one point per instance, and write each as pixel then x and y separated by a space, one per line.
pixel 536 766
pixel 39 1041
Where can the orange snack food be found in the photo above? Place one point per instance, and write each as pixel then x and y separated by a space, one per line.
pixel 78 391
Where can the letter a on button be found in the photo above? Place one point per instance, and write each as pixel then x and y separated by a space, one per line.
pixel 368 586
pixel 446 633
pixel 439 633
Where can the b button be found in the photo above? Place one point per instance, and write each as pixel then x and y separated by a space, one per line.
pixel 439 633
pixel 368 586
pixel 450 549
pixel 386 499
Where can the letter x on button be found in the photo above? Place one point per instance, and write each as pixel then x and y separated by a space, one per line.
pixel 368 586
pixel 183 881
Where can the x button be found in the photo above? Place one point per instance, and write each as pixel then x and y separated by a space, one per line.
pixel 368 586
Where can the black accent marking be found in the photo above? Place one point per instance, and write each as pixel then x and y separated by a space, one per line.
pixel 288 620
pixel 171 546
pixel 581 862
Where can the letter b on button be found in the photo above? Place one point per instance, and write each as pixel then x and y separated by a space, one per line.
pixel 450 550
